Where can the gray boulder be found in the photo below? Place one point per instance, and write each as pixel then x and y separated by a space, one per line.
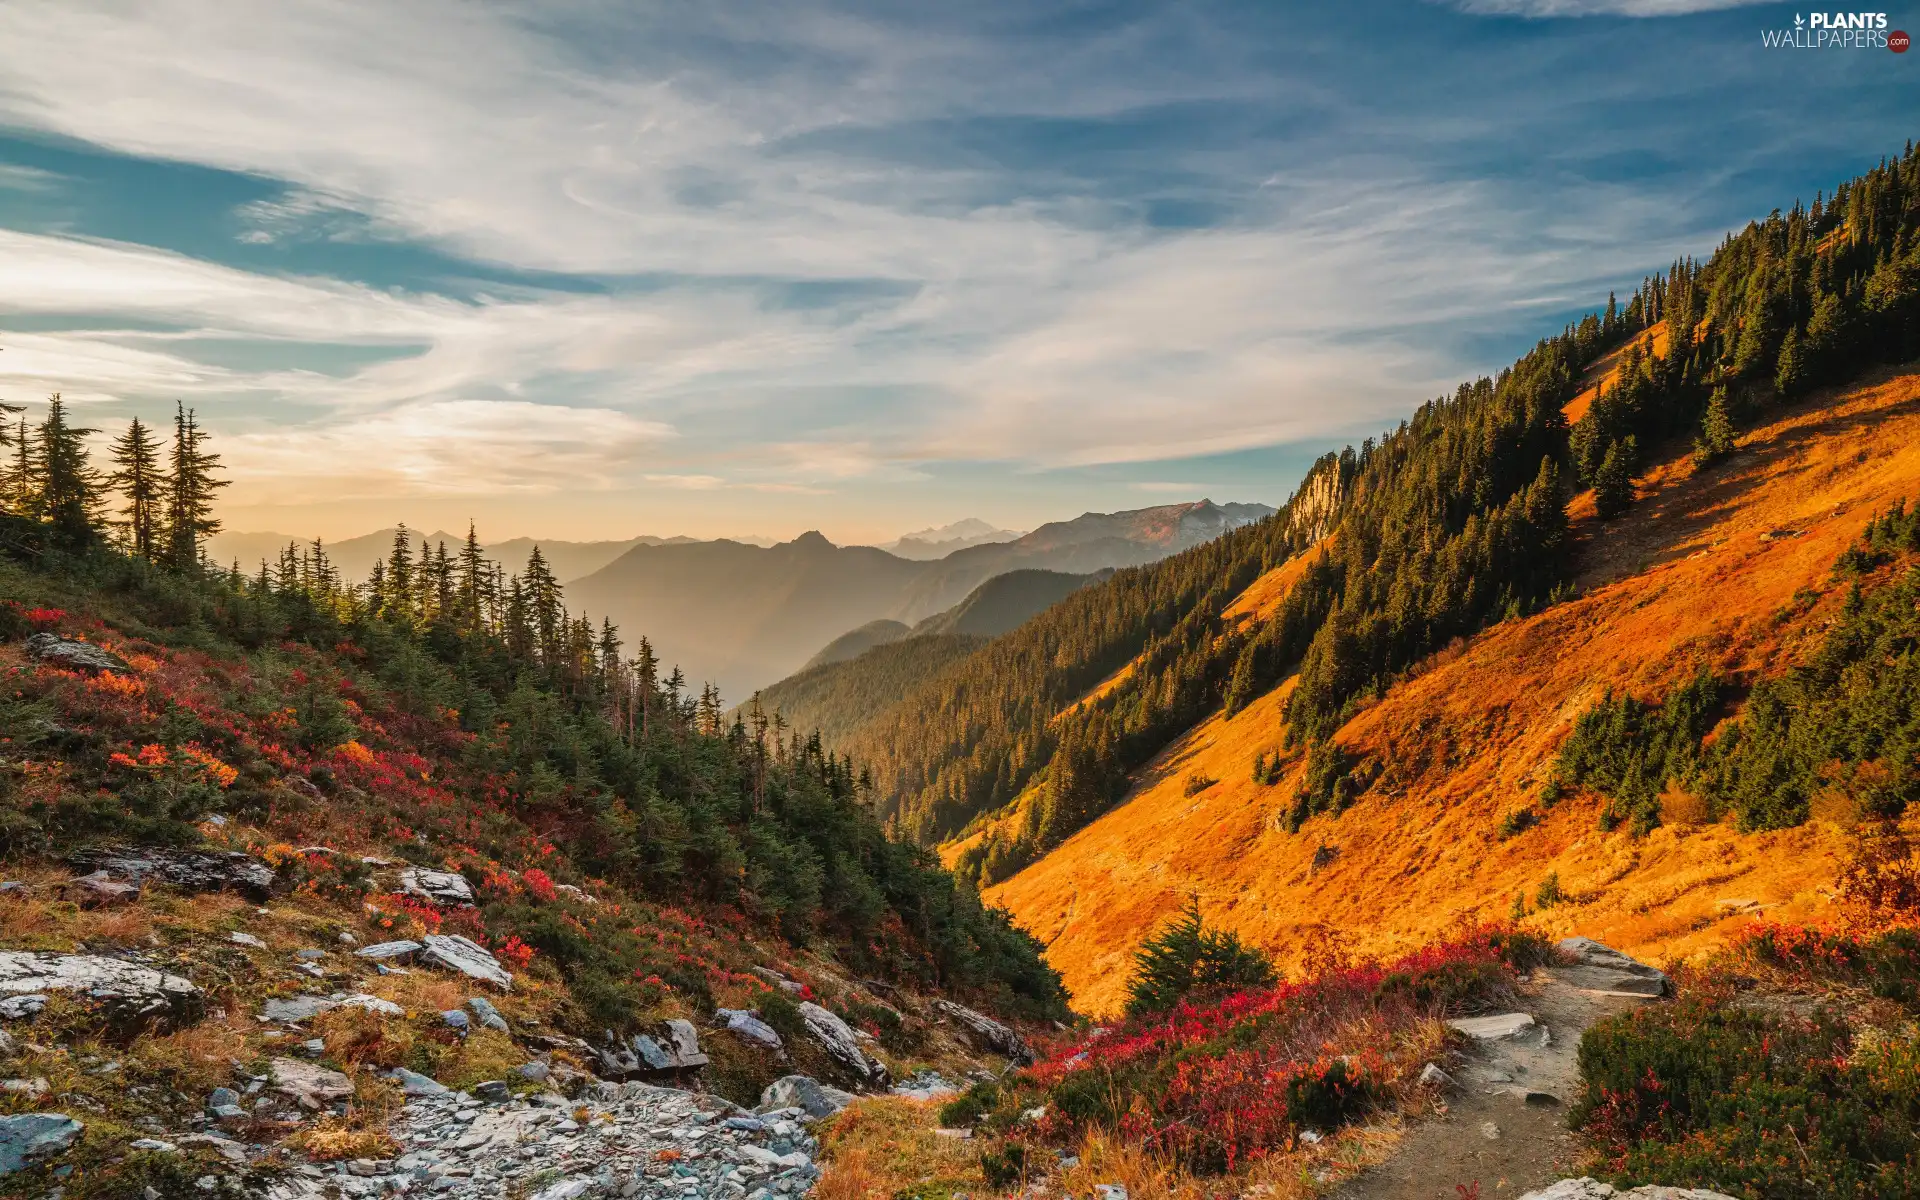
pixel 489 1015
pixel 836 1038
pixel 683 1043
pixel 466 956
pixel 122 990
pixel 72 654
pixel 746 1025
pixel 986 1033
pixel 439 887
pixel 30 1137
pixel 312 1086
pixel 398 951
pixel 1600 968
pixel 188 870
pixel 21 1008
pixel 415 1084
pixel 803 1092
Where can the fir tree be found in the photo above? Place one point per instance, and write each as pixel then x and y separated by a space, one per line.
pixel 191 485
pixel 1613 482
pixel 67 485
pixel 1716 431
pixel 1790 373
pixel 1188 960
pixel 139 480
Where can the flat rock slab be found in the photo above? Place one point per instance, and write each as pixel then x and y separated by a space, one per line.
pixel 439 887
pixel 1586 1188
pixel 1608 970
pixel 123 989
pixel 466 956
pixel 398 951
pixel 1494 1028
pixel 745 1024
pixel 72 654
pixel 30 1137
pixel 313 1086
pixel 189 870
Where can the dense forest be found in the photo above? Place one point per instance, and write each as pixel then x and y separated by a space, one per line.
pixel 444 676
pixel 1455 519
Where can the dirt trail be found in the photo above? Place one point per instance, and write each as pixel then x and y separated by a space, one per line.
pixel 1490 1134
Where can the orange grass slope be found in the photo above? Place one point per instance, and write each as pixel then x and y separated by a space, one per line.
pixel 1711 568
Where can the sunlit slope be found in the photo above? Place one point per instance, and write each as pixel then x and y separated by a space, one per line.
pixel 1703 571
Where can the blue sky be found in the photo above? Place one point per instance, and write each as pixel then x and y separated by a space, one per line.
pixel 594 270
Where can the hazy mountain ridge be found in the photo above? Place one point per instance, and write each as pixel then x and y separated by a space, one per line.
pixel 745 616
pixel 862 672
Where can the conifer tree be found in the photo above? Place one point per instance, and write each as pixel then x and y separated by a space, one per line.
pixel 1613 482
pixel 542 598
pixel 23 492
pixel 1790 372
pixel 67 485
pixel 191 484
pixel 397 596
pixel 139 480
pixel 1716 431
pixel 1186 959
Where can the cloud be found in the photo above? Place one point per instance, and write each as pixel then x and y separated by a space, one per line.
pixel 1542 9
pixel 815 253
pixel 441 448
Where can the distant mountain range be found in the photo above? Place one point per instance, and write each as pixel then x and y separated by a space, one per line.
pixel 355 556
pixel 928 544
pixel 745 616
pixel 862 672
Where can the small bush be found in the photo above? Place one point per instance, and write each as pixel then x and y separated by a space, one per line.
pixel 1518 821
pixel 1196 783
pixel 1186 959
pixel 1549 893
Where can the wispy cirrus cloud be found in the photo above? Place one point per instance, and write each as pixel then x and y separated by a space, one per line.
pixel 829 250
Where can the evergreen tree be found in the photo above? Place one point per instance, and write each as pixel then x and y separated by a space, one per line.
pixel 23 489
pixel 1613 482
pixel 397 598
pixel 1186 960
pixel 1716 431
pixel 191 484
pixel 542 598
pixel 474 581
pixel 1790 373
pixel 67 485
pixel 139 480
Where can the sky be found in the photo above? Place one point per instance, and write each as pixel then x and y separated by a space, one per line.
pixel 592 270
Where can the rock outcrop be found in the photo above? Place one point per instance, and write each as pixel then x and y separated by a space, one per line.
pixel 1600 968
pixel 466 956
pixel 745 1024
pixel 439 887
pixel 189 870
pixel 836 1038
pixel 122 990
pixel 804 1092
pixel 30 1137
pixel 986 1033
pixel 72 654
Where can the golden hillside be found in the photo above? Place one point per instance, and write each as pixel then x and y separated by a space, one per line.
pixel 1716 568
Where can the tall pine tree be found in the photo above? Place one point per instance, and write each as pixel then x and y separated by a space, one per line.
pixel 191 483
pixel 141 483
pixel 67 485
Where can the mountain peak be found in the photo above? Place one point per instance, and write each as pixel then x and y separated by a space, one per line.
pixel 812 539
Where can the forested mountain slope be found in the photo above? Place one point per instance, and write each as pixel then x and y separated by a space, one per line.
pixel 1728 567
pixel 1454 520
